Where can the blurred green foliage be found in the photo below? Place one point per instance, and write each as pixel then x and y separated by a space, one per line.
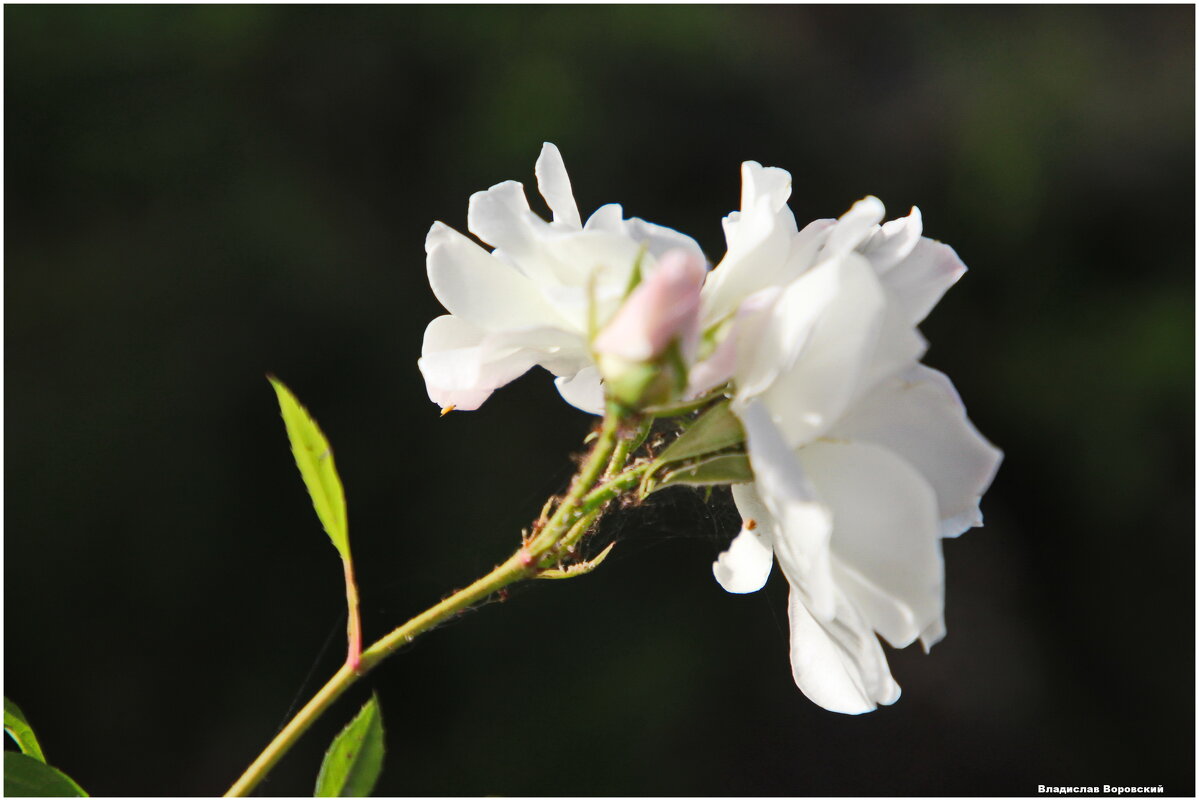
pixel 197 195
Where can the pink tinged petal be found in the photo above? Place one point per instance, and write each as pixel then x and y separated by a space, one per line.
pixel 714 370
pixel 802 524
pixel 839 663
pixel 663 308
pixel 583 390
pixel 918 282
pixel 920 417
pixel 885 544
pixel 893 242
pixel 752 317
pixel 745 566
pixel 480 288
pixel 854 227
pixel 554 185
pixel 812 392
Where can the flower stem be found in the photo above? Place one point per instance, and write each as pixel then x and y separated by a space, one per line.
pixel 579 503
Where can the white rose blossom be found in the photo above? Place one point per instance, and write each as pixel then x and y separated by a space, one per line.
pixel 863 459
pixel 534 299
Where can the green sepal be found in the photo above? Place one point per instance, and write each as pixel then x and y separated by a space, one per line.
pixel 22 733
pixel 716 429
pixel 26 776
pixel 354 760
pixel 728 468
pixel 578 568
pixel 314 457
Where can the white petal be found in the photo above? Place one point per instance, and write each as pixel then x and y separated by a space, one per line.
pixel 757 182
pixel 802 524
pixel 806 246
pixel 920 417
pixel 759 240
pixel 500 216
pixel 933 634
pixel 885 544
pixel 811 393
pixel 463 364
pixel 893 242
pixel 659 239
pixel 899 348
pixel 554 185
pixel 918 282
pixel 840 664
pixel 609 217
pixel 854 227
pixel 457 368
pixel 745 566
pixel 477 287
pixel 583 390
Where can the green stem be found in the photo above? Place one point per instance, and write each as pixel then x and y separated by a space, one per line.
pixel 615 486
pixel 520 565
pixel 354 624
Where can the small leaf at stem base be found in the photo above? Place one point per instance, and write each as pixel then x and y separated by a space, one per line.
pixel 29 777
pixel 355 759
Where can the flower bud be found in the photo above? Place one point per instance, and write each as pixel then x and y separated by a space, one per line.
pixel 644 349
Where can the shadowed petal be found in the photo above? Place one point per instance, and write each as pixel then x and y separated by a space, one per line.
pixel 745 566
pixel 583 390
pixel 838 664
pixel 885 544
pixel 920 417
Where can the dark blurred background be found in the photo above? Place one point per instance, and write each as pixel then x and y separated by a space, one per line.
pixel 198 195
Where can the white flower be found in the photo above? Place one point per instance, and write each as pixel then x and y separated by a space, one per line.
pixel 863 458
pixel 539 296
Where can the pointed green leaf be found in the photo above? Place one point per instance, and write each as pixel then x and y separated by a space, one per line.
pixel 26 776
pixel 355 759
pixel 729 468
pixel 314 457
pixel 716 429
pixel 19 729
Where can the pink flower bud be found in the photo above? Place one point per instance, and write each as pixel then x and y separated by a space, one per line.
pixel 664 307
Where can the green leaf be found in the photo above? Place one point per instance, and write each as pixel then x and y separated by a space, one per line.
pixel 729 468
pixel 716 429
pixel 315 460
pixel 354 760
pixel 26 776
pixel 19 729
